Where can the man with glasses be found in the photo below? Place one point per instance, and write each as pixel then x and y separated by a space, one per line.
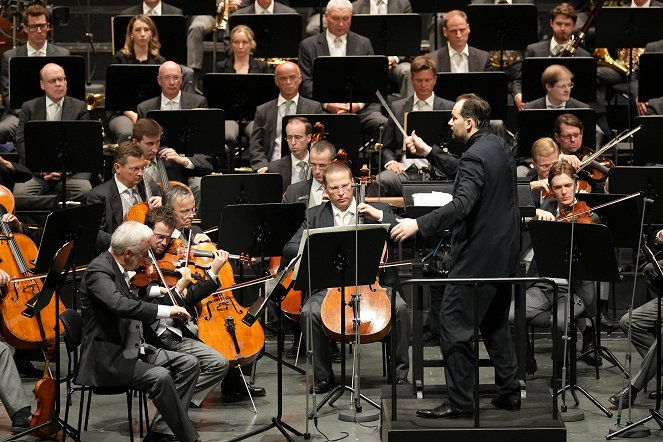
pixel 545 153
pixel 123 191
pixel 321 154
pixel 557 80
pixel 35 25
pixel 55 105
pixel 294 168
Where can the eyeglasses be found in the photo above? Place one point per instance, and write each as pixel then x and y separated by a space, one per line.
pixel 37 26
pixel 170 77
pixel 160 237
pixel 56 80
pixel 187 212
pixel 338 189
pixel 318 166
pixel 570 136
pixel 295 137
pixel 565 86
pixel 545 166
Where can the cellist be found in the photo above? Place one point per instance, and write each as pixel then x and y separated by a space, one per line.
pixel 341 210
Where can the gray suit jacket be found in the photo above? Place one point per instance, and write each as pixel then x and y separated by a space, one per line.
pixel 279 8
pixel 479 61
pixel 393 7
pixel 138 9
pixel 315 46
pixel 35 109
pixel 22 51
pixel 393 138
pixel 296 191
pixel 112 328
pixel 187 101
pixel 540 103
pixel 261 144
pixel 282 166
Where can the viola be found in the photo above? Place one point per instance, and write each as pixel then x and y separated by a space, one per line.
pixel 579 212
pixel 598 168
pixel 44 391
pixel 147 274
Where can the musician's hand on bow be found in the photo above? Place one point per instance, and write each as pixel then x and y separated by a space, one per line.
pixel 416 145
pixel 542 185
pixel 4 278
pixel 571 159
pixel 201 237
pixel 337 108
pixel 171 155
pixel 404 228
pixel 394 166
pixel 543 215
pixel 177 312
pixel 184 280
pixel 154 201
pixel 369 211
pixel 220 258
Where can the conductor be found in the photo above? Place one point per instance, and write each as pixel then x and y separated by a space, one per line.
pixel 483 217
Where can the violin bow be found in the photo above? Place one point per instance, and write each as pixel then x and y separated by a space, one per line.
pixel 613 143
pixel 600 206
pixel 163 279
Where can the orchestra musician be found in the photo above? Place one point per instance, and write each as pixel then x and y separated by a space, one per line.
pixel 342 210
pixel 113 352
pixel 294 168
pixel 483 216
pixel 557 80
pixel 152 7
pixel 176 335
pixel 321 155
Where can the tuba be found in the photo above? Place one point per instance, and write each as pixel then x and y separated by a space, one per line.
pixel 621 62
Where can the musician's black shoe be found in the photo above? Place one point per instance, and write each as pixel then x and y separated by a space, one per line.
pixel 324 385
pixel 588 346
pixel 292 352
pixel 21 420
pixel 159 437
pixel 511 403
pixel 402 381
pixel 629 394
pixel 255 391
pixel 445 411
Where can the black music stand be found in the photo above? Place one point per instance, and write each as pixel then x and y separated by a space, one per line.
pixel 626 27
pixel 631 179
pixel 277 35
pixel 337 264
pixel 24 77
pixel 647 142
pixel 128 85
pixel 650 71
pixel 195 7
pixel 491 86
pixel 392 34
pixel 582 68
pixel 192 131
pixel 172 35
pixel 536 123
pixel 433 128
pixel 621 218
pixel 502 27
pixel 219 191
pixel 435 6
pixel 68 146
pixel 342 130
pixel 350 79
pixel 558 245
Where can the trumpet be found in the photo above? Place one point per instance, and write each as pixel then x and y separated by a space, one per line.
pixel 222 18
pixel 94 100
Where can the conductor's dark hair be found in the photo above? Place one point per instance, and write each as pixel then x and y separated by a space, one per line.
pixel 475 108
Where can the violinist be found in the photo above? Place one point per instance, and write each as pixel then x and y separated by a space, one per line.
pixel 545 153
pixel 176 335
pixel 123 191
pixel 342 210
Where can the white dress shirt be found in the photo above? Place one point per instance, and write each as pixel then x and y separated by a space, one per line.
pixel 168 104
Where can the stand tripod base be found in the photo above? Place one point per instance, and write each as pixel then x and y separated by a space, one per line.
pixel 362 416
pixel 638 431
pixel 572 415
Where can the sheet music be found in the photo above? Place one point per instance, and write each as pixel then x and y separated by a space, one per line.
pixel 432 199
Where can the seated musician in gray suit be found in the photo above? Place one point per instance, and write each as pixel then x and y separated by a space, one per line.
pixel 152 7
pixel 311 191
pixel 265 142
pixel 397 167
pixel 36 22
pixel 294 168
pixel 55 105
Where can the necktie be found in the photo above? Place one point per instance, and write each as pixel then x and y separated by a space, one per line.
pixel 151 170
pixel 338 43
pixel 55 112
pixel 559 106
pixel 133 198
pixel 382 7
pixel 458 58
pixel 557 50
pixel 170 105
pixel 422 105
pixel 150 12
pixel 265 11
pixel 303 170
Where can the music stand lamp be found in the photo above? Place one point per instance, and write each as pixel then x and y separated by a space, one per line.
pixel 569 251
pixel 491 86
pixel 536 123
pixel 24 77
pixel 392 34
pixel 336 259
pixel 172 35
pixel 239 95
pixel 502 27
pixel 128 85
pixel 68 146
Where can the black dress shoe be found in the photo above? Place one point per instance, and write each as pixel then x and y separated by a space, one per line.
pixel 159 437
pixel 402 381
pixel 629 394
pixel 445 411
pixel 324 385
pixel 292 352
pixel 590 358
pixel 255 391
pixel 511 403
pixel 21 420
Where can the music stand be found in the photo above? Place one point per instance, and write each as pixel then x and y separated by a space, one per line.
pixel 525 202
pixel 276 35
pixel 337 264
pixel 536 123
pixel 626 27
pixel 491 86
pixel 558 246
pixel 647 142
pixel 219 191
pixel 68 146
pixel 24 77
pixel 433 128
pixel 412 187
pixel 582 68
pixel 195 7
pixel 128 85
pixel 650 71
pixel 631 179
pixel 172 35
pixel 350 79
pixel 392 34
pixel 192 131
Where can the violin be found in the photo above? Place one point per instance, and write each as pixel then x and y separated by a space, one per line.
pixel 579 212
pixel 598 168
pixel 44 391
pixel 147 274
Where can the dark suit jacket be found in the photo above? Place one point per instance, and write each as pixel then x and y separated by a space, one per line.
pixel 21 51
pixel 107 194
pixel 483 214
pixel 540 103
pixel 112 325
pixel 282 166
pixel 295 191
pixel 393 138
pixel 227 66
pixel 261 144
pixel 187 101
pixel 138 9
pixel 393 7
pixel 478 60
pixel 315 46
pixel 35 110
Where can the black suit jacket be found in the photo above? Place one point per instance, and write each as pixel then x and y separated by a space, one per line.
pixel 483 214
pixel 255 66
pixel 283 167
pixel 138 9
pixel 35 110
pixel 478 60
pixel 112 325
pixel 187 101
pixel 540 103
